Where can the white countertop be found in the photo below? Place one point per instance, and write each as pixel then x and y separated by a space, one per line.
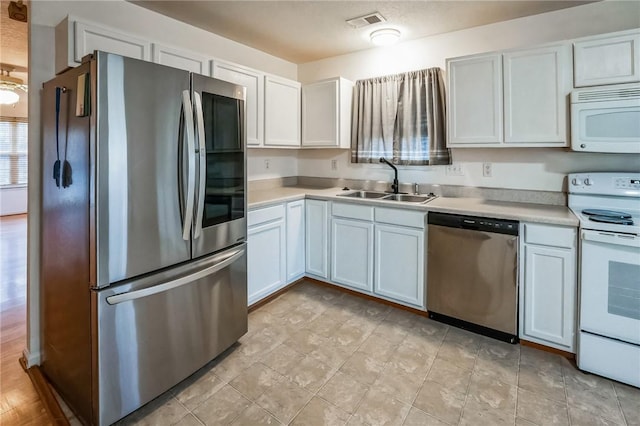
pixel 525 212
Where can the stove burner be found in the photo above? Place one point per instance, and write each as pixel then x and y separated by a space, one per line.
pixel 609 219
pixel 607 213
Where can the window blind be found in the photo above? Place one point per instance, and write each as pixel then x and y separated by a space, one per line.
pixel 13 151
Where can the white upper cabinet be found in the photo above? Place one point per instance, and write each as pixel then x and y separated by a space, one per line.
pixel 475 100
pixel 181 59
pixel 281 112
pixel 607 59
pixel 326 114
pixel 254 82
pixel 536 85
pixel 75 39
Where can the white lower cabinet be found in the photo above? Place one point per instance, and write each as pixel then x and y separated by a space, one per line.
pixel 399 264
pixel 352 253
pixel 317 238
pixel 379 251
pixel 266 252
pixel 548 290
pixel 295 240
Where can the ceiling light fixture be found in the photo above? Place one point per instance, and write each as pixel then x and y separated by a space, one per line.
pixel 385 37
pixel 9 86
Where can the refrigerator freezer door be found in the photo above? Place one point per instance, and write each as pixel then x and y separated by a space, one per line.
pixel 156 331
pixel 138 189
pixel 221 196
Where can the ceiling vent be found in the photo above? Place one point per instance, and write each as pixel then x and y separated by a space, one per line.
pixel 369 19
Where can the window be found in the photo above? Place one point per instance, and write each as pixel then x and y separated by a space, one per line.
pixel 401 118
pixel 13 151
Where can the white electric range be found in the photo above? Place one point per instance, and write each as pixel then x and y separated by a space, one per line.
pixel 608 207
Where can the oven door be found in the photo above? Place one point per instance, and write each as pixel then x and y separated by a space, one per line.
pixel 610 285
pixel 221 204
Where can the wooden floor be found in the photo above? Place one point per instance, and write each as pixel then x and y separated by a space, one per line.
pixel 19 401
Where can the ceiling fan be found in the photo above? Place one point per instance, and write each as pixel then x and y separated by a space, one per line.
pixel 10 86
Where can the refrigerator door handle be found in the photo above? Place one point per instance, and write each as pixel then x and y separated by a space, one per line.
pixel 191 165
pixel 202 154
pixel 222 261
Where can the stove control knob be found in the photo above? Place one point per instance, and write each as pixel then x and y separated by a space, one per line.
pixel 588 182
pixel 576 182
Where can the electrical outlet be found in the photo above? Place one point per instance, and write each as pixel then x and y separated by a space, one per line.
pixel 487 169
pixel 334 164
pixel 266 164
pixel 454 170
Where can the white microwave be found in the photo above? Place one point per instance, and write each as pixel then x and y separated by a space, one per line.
pixel 606 119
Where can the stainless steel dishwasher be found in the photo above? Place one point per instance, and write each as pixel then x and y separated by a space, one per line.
pixel 472 274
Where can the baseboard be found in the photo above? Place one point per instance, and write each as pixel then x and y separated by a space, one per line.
pixel 560 352
pixel 367 296
pixel 274 295
pixel 56 415
pixel 316 281
pixel 31 359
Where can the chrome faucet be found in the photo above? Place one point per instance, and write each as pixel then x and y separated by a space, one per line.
pixel 395 184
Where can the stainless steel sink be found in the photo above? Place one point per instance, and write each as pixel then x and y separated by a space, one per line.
pixel 364 194
pixel 408 198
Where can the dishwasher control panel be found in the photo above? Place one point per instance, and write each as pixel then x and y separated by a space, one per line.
pixel 474 223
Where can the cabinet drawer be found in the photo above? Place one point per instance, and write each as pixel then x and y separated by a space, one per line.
pixel 400 217
pixel 548 235
pixel 266 214
pixel 352 211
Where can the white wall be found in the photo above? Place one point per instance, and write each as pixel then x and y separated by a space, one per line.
pixel 41 68
pixel 268 163
pixel 520 168
pixel 13 200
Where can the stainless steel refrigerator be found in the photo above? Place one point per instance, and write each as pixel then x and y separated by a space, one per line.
pixel 143 276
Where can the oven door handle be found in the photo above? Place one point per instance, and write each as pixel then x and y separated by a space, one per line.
pixel 611 238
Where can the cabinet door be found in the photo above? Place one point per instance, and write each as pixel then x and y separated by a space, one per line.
pixel 607 60
pixel 266 260
pixel 320 114
pixel 535 93
pixel 254 82
pixel 295 240
pixel 90 37
pixel 317 238
pixel 352 253
pixel 281 112
pixel 183 60
pixel 549 296
pixel 475 100
pixel 399 260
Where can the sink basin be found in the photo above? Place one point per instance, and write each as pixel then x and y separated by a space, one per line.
pixel 408 198
pixel 364 194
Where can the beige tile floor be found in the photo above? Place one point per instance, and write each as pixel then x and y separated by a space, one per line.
pixel 317 356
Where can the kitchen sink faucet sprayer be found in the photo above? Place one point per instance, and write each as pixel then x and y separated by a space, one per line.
pixel 394 185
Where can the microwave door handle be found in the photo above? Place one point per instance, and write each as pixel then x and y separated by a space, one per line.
pixel 191 163
pixel 202 154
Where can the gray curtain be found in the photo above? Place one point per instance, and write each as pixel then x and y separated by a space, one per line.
pixel 400 117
